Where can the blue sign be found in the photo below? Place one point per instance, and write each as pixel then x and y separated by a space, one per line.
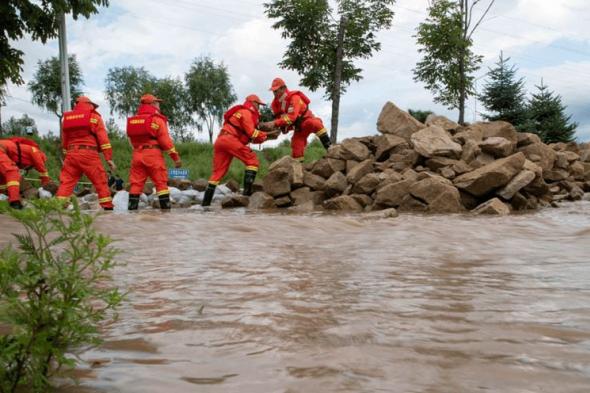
pixel 178 173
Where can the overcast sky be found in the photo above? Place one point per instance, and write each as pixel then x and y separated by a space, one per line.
pixel 547 39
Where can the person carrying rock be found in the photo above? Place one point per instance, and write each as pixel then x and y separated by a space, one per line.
pixel 9 178
pixel 83 137
pixel 239 129
pixel 148 133
pixel 291 111
pixel 26 154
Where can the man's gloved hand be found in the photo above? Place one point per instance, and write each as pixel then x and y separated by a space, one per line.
pixel 266 126
pixel 112 165
pixel 273 134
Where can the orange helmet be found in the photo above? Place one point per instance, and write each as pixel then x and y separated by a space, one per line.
pixel 86 100
pixel 149 99
pixel 277 83
pixel 255 98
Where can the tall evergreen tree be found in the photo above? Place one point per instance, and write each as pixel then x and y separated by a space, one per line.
pixel 548 117
pixel 504 95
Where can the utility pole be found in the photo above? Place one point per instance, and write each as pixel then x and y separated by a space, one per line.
pixel 336 91
pixel 65 71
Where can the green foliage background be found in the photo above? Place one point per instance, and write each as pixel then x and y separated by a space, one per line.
pixel 196 157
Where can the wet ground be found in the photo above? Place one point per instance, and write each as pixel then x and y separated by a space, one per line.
pixel 241 302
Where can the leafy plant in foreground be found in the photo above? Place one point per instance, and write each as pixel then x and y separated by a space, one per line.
pixel 54 293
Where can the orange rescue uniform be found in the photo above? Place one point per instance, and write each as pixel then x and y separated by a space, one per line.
pixel 291 111
pixel 239 129
pixel 148 133
pixel 27 156
pixel 83 137
pixel 9 176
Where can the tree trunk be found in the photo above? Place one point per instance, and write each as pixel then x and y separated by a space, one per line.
pixel 462 82
pixel 336 90
pixel 462 95
pixel 210 124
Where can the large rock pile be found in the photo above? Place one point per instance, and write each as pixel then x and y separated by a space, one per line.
pixel 437 167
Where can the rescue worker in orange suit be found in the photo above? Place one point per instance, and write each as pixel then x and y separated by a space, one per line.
pixel 291 111
pixel 148 133
pixel 9 178
pixel 83 137
pixel 239 129
pixel 26 154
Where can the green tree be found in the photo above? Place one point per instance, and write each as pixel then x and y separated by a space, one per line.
pixel 419 115
pixel 175 106
pixel 548 118
pixel 125 85
pixel 325 41
pixel 54 293
pixel 113 129
pixel 504 95
pixel 46 84
pixel 210 92
pixel 40 20
pixel 19 126
pixel 445 40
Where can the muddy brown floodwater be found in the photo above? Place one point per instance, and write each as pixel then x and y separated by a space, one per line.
pixel 240 302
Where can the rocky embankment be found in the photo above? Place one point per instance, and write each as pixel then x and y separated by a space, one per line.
pixel 437 167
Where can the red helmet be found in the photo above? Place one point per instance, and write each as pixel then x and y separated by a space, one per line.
pixel 277 83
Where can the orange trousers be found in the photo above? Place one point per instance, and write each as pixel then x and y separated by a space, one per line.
pixel 148 163
pixel 312 125
pixel 84 162
pixel 227 147
pixel 9 178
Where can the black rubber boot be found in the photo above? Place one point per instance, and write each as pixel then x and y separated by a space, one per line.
pixel 108 209
pixel 209 192
pixel 164 202
pixel 16 205
pixel 325 139
pixel 249 177
pixel 133 201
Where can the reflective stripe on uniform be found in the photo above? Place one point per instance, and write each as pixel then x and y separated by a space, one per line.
pixel 173 150
pixel 155 126
pixel 163 192
pixel 106 199
pixel 3 187
pixel 214 183
pixel 44 174
pixel 63 197
pixel 106 146
pixel 300 159
pixel 252 168
pixel 13 184
pixel 94 121
pixel 287 120
pixel 321 132
pixel 255 134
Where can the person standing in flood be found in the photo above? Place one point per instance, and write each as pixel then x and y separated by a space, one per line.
pixel 239 129
pixel 148 133
pixel 291 111
pixel 83 137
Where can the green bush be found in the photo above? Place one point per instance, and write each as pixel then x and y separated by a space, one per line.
pixel 54 293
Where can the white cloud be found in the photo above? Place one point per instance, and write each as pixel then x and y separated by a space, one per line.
pixel 546 38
